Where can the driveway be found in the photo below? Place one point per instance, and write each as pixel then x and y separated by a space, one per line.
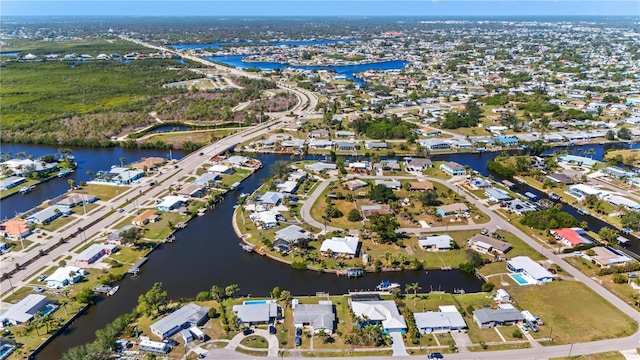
pixel 398 344
pixel 272 340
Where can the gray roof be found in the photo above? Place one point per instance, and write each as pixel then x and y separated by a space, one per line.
pixel 439 320
pixel 292 233
pixel 495 243
pixel 205 178
pixel 485 316
pixel 24 310
pixel 320 166
pixel 271 197
pixel 253 313
pixel 45 214
pixel 190 313
pixel 439 241
pixel 320 316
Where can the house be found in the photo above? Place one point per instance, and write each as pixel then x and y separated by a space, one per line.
pixel 271 198
pixel 560 178
pixel 192 190
pixel 121 176
pixel 375 145
pixel 435 144
pixel 267 219
pixel 488 318
pixel 355 184
pixel 289 236
pixel 172 202
pixel 319 133
pixel 287 187
pixel 452 209
pixel 446 319
pixel 117 237
pixel 11 182
pixel 93 253
pixel 418 164
pixel 579 191
pixel 15 229
pixel 383 312
pixel 519 207
pixel 617 200
pixel 424 185
pixel 502 297
pixel 153 346
pixel 293 143
pixel 187 316
pixel 149 163
pixel 370 210
pixel 64 276
pixel 526 266
pixel 453 169
pixel 257 312
pixel 236 161
pixel 344 133
pixel 484 244
pixel 435 242
pixel 391 184
pixel 495 195
pixel 359 165
pixel 320 167
pixel 577 160
pixel 221 169
pixel 147 216
pixel 207 179
pixel 606 256
pixel 75 199
pixel 340 246
pixel 320 144
pixel 24 310
pixel 617 172
pixel 319 316
pixel 346 145
pixel 479 183
pixel 46 215
pixel 571 237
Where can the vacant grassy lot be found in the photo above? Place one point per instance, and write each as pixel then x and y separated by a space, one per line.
pixel 103 192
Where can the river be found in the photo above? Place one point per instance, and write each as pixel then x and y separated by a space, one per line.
pixel 207 252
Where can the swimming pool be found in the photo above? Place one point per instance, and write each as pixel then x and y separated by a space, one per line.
pixel 521 279
pixel 6 350
pixel 254 302
pixel 48 309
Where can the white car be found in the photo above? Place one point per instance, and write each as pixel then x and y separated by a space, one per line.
pixel 524 329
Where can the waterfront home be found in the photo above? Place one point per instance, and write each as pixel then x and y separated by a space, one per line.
pixel 519 207
pixel 187 316
pixel 560 178
pixel 15 229
pixel 525 266
pixel 153 346
pixel 435 242
pixel 346 247
pixel 293 143
pixel 391 184
pixel 172 202
pixel 287 237
pixel 320 144
pixel 18 166
pixel 93 253
pixel 375 145
pixel 346 145
pixel 435 144
pixel 319 133
pixel 75 199
pixel 271 198
pixel 207 179
pixel 117 237
pixel 221 169
pixel 24 310
pixel 617 172
pixel 120 176
pixel 479 183
pixel 383 312
pixel 287 187
pixel 320 167
pixel 254 312
pixel 448 318
pixel 579 191
pixel 64 276
pixel 488 318
pixel 577 160
pixel 496 195
pixel 370 210
pixel 418 164
pixel 359 165
pixel 236 161
pixel 507 140
pixel 617 200
pixel 355 184
pixel 149 163
pixel 453 168
pixel 47 215
pixel 192 190
pixel 452 209
pixel 485 245
pixel 147 216
pixel 423 185
pixel 319 316
pixel 344 133
pixel 606 256
pixel 266 219
pixel 502 297
pixel 11 182
pixel 571 237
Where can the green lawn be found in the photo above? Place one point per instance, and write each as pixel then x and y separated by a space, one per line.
pixel 160 229
pixel 58 223
pixel 103 192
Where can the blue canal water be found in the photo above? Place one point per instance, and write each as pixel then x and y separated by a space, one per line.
pixel 10 54
pixel 217 45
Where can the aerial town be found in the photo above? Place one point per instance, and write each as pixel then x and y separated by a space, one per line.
pixel 388 188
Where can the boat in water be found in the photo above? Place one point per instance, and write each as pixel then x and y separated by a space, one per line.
pixel 554 196
pixel 113 290
pixel 247 247
pixel 387 285
pixel 26 189
pixel 354 272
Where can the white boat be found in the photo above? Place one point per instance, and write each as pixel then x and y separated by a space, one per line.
pixel 386 285
pixel 26 189
pixel 554 196
pixel 583 212
pixel 113 290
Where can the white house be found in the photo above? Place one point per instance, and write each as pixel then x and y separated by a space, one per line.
pixel 526 266
pixel 64 276
pixel 342 246
pixel 446 319
pixel 172 202
pixel 435 242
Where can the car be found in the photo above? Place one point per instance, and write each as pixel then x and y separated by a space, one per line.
pixel 202 356
pixel 524 329
pixel 247 331
pixel 435 355
pixel 298 331
pixel 42 277
pixel 175 166
pixel 298 341
pixel 120 210
pixel 272 330
pixel 171 342
pixel 38 289
pixel 201 154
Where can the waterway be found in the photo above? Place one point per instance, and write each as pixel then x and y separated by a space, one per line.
pixel 218 45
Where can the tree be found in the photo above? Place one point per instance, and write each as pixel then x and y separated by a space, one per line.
pixel 631 219
pixel 6 276
pixel 488 286
pixel 279 169
pixel 413 287
pixel 285 298
pixel 332 212
pixel 130 236
pixel 72 183
pixel 624 134
pixel 381 194
pixel 609 235
pixel 429 198
pixel 122 160
pixel 217 293
pixel 354 215
pixel 151 301
pixel 85 296
pixel 275 293
pixel 611 135
pixel 385 226
pixel 231 289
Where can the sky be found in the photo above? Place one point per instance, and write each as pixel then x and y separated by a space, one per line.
pixel 319 8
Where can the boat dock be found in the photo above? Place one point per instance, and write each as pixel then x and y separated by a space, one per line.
pixel 246 247
pixel 102 289
pixel 135 268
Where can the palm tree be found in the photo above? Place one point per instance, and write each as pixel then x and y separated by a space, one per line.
pixel 90 174
pixel 122 160
pixel 415 287
pixel 285 298
pixel 72 183
pixel 231 289
pixel 6 276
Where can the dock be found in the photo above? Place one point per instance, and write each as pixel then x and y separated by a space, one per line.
pixel 102 289
pixel 135 268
